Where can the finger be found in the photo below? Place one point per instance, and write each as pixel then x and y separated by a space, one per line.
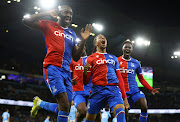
pixel 86 27
pixel 90 28
pixel 76 77
pixel 157 88
pixel 82 30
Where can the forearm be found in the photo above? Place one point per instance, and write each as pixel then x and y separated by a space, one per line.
pixel 144 82
pixel 121 84
pixel 85 77
pixel 78 51
pixel 36 17
pixel 33 20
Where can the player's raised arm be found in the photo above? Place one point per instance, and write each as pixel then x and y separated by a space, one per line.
pixel 146 85
pixel 33 21
pixel 77 51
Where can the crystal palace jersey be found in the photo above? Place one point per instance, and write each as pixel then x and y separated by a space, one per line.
pixel 59 44
pixel 103 68
pixel 129 69
pixel 77 69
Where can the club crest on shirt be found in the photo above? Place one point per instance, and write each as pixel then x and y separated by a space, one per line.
pixel 97 56
pixel 70 32
pixel 110 56
pixel 121 63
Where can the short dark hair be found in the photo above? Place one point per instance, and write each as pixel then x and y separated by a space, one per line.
pixel 127 41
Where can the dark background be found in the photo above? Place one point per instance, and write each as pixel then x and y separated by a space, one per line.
pixel 159 22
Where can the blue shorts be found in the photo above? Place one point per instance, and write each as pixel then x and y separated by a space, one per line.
pixel 101 95
pixel 79 97
pixel 134 96
pixel 58 80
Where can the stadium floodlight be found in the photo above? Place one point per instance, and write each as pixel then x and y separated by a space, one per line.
pixel 172 57
pixel 139 41
pixel 35 7
pixel 146 42
pixel 78 40
pixel 36 12
pixel 175 56
pixel 3 77
pixel 27 16
pixel 177 53
pixel 98 27
pixel 38 8
pixel 18 0
pixel 8 1
pixel 92 34
pixel 48 4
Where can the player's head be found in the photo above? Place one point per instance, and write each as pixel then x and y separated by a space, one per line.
pixel 65 14
pixel 48 117
pixel 100 42
pixel 7 110
pixel 127 48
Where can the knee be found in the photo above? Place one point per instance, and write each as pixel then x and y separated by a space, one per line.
pixel 64 106
pixel 144 108
pixel 82 112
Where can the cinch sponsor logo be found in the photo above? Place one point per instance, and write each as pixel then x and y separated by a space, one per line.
pixel 79 67
pixel 58 33
pixel 109 61
pixel 123 70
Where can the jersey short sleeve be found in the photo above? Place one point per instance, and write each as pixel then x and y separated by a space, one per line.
pixel 138 70
pixel 116 63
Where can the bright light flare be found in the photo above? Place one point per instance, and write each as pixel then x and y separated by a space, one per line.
pixel 27 16
pixel 177 53
pixel 78 40
pixel 47 3
pixel 98 27
pixel 140 41
pixel 9 1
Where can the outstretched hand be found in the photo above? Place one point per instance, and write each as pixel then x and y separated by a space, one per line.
pixel 86 33
pixel 155 91
pixel 126 104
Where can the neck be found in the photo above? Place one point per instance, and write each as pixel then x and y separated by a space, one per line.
pixel 61 24
pixel 101 50
pixel 84 54
pixel 127 57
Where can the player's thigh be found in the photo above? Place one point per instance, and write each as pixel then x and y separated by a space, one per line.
pixel 78 99
pixel 115 99
pixel 91 117
pixel 139 98
pixel 68 85
pixel 80 103
pixel 54 80
pixel 96 102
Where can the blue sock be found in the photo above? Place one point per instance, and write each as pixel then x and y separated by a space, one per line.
pixel 62 116
pixel 143 117
pixel 120 115
pixel 88 121
pixel 53 107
